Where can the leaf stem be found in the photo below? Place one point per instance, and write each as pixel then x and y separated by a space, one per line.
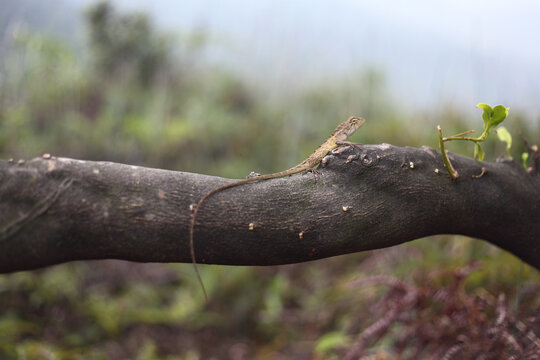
pixel 446 160
pixel 460 134
pixel 454 137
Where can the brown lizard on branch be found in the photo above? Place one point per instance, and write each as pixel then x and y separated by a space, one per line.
pixel 341 134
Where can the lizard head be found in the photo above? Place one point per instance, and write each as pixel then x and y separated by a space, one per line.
pixel 346 129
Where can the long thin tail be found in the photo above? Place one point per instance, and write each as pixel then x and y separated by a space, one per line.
pixel 212 192
pixel 192 247
pixel 192 230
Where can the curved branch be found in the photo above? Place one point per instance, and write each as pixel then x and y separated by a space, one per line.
pixel 362 197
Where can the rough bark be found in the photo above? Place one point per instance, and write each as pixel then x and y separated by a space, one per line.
pixel 54 210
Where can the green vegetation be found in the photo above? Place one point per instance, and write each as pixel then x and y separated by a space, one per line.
pixel 128 97
pixel 492 117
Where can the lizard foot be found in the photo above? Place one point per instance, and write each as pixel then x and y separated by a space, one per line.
pixel 252 175
pixel 341 149
pixel 314 171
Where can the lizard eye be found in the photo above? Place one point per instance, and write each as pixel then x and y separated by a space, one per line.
pixel 357 121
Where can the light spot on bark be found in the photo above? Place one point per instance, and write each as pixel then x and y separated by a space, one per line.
pixel 484 170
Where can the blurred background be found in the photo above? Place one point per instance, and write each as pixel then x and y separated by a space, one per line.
pixel 225 88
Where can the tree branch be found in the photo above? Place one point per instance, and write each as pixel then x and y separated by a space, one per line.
pixel 362 197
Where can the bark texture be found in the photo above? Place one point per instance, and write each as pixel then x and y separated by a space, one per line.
pixel 54 210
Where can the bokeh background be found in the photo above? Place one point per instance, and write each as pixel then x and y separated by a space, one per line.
pixel 230 87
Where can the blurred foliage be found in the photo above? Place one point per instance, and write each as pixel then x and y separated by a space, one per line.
pixel 128 97
pixel 125 44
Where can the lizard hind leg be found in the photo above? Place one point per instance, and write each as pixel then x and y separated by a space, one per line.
pixel 315 171
pixel 252 175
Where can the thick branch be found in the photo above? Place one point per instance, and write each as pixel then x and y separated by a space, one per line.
pixel 54 210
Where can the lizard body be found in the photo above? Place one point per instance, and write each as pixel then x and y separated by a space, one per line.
pixel 340 134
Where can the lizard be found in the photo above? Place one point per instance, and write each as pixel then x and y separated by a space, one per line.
pixel 340 135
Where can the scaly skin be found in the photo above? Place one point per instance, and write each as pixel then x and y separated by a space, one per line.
pixel 342 133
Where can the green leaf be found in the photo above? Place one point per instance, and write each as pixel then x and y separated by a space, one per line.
pixel 524 158
pixel 486 115
pixel 329 341
pixel 498 115
pixel 505 136
pixel 478 152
